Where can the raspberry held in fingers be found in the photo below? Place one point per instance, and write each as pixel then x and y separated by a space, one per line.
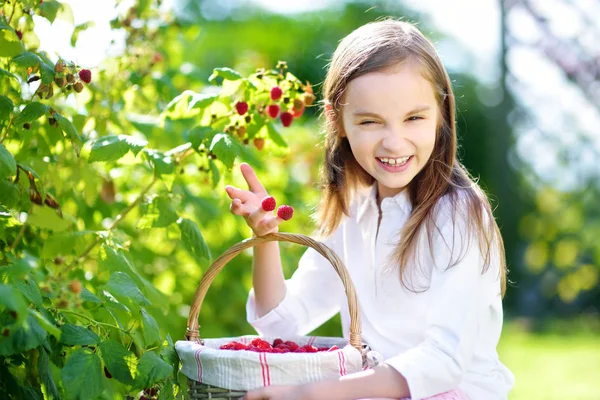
pixel 285 212
pixel 268 203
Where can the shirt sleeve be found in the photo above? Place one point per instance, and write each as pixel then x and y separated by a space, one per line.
pixel 313 296
pixel 461 296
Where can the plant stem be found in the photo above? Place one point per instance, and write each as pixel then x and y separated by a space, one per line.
pixel 92 320
pixel 20 234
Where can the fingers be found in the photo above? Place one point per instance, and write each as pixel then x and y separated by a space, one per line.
pixel 250 176
pixel 257 394
pixel 235 193
pixel 267 225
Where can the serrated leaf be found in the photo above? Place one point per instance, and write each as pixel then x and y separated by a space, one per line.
pixel 27 336
pixel 47 72
pixel 45 375
pixel 48 326
pixel 6 107
pixel 115 261
pixel 49 9
pixel 151 370
pixel 111 148
pixel 30 290
pixel 90 297
pixel 31 112
pixel 27 59
pixel 159 214
pixel 82 375
pixel 13 300
pixel 198 135
pixel 8 165
pixel 275 136
pixel 149 328
pixel 121 286
pixel 192 239
pixel 78 335
pixel 225 73
pixel 118 360
pixel 225 149
pixel 202 100
pixel 163 164
pixel 67 127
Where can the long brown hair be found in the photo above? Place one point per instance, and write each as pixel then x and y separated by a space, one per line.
pixel 374 47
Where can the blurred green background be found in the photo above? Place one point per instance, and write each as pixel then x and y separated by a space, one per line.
pixel 529 107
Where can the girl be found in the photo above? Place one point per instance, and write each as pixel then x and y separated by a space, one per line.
pixel 415 232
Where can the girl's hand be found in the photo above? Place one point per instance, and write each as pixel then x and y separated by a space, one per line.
pixel 247 203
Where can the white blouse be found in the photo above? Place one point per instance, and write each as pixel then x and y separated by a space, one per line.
pixel 439 338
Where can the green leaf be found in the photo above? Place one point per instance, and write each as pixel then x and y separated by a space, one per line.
pixel 13 301
pixel 48 326
pixel 66 13
pixel 151 370
pixel 31 112
pixel 6 107
pixel 275 136
pixel 198 135
pixel 27 59
pixel 160 214
pixel 80 28
pixel 149 328
pixel 118 360
pixel 68 128
pixel 90 297
pixel 8 165
pixel 225 149
pixel 78 335
pixel 111 148
pixel 5 73
pixel 202 100
pixel 82 375
pixel 163 164
pixel 30 289
pixel 66 243
pixel 47 72
pixel 49 9
pixel 193 240
pixel 214 171
pixel 45 375
pixel 121 286
pixel 9 194
pixel 10 44
pixel 26 337
pixel 47 218
pixel 225 73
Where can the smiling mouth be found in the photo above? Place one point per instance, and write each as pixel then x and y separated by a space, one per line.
pixel 394 162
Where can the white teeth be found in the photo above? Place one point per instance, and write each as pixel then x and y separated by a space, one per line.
pixel 394 161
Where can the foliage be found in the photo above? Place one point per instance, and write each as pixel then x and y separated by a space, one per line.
pixel 102 181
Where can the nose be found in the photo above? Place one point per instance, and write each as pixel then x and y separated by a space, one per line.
pixel 394 139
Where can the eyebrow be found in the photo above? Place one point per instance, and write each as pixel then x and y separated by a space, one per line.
pixel 362 113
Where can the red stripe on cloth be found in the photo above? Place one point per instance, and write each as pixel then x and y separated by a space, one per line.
pixel 267 369
pixel 262 367
pixel 199 364
pixel 342 362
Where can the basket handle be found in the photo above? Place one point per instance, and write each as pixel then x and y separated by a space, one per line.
pixel 192 332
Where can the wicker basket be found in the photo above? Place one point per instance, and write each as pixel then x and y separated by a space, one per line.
pixel 202 391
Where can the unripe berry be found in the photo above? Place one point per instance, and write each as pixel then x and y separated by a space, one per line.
pixel 59 67
pixel 298 108
pixel 259 143
pixel 78 86
pixel 75 286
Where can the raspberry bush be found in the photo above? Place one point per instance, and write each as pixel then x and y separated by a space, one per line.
pixel 103 171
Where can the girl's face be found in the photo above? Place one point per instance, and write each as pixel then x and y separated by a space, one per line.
pixel 390 119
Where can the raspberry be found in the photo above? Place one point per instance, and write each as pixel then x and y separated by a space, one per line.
pixel 273 110
pixel 333 348
pixel 259 143
pixel 59 67
pixel 285 212
pixel 85 75
pixel 241 107
pixel 19 34
pixel 75 286
pixel 292 345
pixel 268 204
pixel 70 78
pixel 276 341
pixel 310 349
pixel 157 57
pixel 78 86
pixel 286 118
pixel 261 344
pixel 309 98
pixel 300 350
pixel 278 350
pixel 298 108
pixel 241 131
pixel 276 93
